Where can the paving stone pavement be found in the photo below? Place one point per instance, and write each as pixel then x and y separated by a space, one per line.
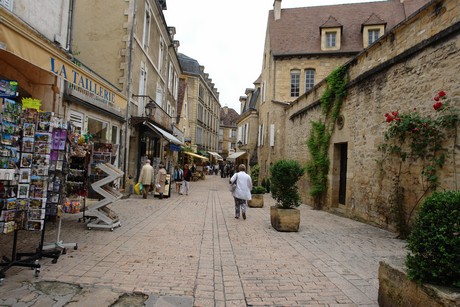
pixel 189 250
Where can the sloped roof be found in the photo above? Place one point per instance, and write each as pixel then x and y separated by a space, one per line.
pixel 331 22
pixel 189 65
pixel 228 116
pixel 298 29
pixel 374 20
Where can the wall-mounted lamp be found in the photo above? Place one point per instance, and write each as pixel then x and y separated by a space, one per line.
pixel 149 107
pixel 240 143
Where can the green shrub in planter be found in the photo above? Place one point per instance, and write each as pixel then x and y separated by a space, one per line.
pixel 434 243
pixel 267 185
pixel 258 190
pixel 284 176
pixel 255 174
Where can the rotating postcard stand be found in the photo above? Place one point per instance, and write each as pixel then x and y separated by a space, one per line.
pixel 104 217
pixel 59 244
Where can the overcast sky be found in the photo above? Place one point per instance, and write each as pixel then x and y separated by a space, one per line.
pixel 227 38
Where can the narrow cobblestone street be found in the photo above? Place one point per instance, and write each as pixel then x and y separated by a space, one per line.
pixel 192 250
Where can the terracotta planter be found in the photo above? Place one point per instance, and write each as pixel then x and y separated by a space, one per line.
pixel 257 201
pixel 286 220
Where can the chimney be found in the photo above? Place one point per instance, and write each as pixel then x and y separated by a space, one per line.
pixel 277 9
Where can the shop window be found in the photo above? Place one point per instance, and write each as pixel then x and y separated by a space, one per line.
pixel 115 135
pixel 98 129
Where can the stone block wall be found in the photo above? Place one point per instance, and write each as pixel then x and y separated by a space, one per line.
pixel 402 72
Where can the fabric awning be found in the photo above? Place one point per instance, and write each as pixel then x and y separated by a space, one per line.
pixel 195 155
pixel 236 155
pixel 216 155
pixel 168 136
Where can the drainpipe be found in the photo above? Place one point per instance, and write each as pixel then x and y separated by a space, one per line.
pixel 128 95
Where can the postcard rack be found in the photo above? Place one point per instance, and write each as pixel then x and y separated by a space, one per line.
pixel 100 215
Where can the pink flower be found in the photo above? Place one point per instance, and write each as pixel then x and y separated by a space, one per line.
pixel 395 113
pixel 442 94
pixel 437 105
pixel 389 119
pixel 436 98
pixel 416 129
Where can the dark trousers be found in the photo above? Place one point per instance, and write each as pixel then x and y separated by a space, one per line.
pixel 145 190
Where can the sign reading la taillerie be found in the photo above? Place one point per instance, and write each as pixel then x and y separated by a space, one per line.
pixel 76 78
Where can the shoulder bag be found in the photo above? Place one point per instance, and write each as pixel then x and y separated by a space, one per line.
pixel 233 185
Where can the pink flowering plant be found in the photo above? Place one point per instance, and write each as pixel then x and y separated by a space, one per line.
pixel 417 139
pixel 416 136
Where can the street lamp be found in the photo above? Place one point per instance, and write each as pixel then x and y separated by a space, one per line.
pixel 150 108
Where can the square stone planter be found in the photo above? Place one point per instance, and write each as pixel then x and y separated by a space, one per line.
pixel 395 289
pixel 286 220
pixel 257 201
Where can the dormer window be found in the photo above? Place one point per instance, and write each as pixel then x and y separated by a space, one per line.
pixel 331 32
pixel 373 35
pixel 373 28
pixel 331 38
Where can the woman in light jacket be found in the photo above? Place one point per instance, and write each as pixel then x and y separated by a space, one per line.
pixel 242 192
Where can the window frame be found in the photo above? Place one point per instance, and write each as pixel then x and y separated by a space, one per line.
pixel 295 82
pixel 309 80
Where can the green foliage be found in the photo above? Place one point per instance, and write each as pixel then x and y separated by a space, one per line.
pixel 434 244
pixel 321 132
pixel 284 177
pixel 318 165
pixel 418 138
pixel 258 190
pixel 255 174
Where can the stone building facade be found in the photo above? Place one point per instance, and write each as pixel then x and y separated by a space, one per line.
pixel 302 46
pixel 203 106
pixel 402 72
pixel 133 48
pixel 227 132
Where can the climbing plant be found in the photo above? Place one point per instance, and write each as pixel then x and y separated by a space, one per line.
pixel 418 138
pixel 321 132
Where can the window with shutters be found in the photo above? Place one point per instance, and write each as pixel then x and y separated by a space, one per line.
pixel 147 22
pixel 272 135
pixel 76 122
pixel 8 4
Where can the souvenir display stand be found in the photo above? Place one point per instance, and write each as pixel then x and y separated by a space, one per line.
pixel 101 216
pixel 56 188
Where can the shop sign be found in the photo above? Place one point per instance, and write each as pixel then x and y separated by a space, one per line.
pixel 81 81
pixel 174 147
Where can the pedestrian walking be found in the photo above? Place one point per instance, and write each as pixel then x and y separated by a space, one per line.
pixel 146 178
pixel 242 192
pixel 161 179
pixel 186 182
pixel 178 177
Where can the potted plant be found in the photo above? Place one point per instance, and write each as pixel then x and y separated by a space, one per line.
pixel 257 195
pixel 284 176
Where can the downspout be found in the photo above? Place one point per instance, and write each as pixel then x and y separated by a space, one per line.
pixel 128 95
pixel 70 26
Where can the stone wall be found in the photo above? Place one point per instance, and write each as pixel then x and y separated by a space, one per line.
pixel 401 72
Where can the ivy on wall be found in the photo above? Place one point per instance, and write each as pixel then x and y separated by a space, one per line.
pixel 321 132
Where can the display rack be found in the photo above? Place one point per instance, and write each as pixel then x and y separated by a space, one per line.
pixel 101 216
pixel 56 188
pixel 15 210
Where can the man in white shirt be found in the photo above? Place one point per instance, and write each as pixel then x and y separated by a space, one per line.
pixel 242 192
